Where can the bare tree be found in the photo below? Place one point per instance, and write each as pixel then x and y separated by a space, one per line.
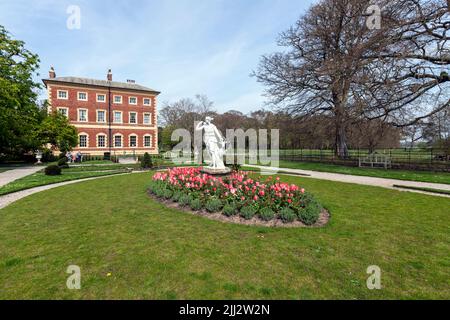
pixel 180 112
pixel 335 65
pixel 409 77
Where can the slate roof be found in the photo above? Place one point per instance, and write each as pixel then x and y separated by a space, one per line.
pixel 101 83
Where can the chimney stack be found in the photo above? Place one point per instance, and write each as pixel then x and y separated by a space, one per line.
pixel 51 73
pixel 109 76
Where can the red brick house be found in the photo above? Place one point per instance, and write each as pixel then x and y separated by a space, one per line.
pixel 110 116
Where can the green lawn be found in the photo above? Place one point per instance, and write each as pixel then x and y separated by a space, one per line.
pixel 112 226
pixel 425 176
pixel 40 179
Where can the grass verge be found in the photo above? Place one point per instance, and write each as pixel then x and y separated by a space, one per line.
pixel 40 179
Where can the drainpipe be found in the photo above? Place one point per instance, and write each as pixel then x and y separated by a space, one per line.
pixel 109 119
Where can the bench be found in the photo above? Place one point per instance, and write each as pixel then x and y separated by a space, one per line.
pixel 376 160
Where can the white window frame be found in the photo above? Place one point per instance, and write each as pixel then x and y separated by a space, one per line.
pixel 121 140
pixel 114 116
pixel 101 94
pixel 58 97
pixel 96 115
pixel 97 140
pixel 78 114
pixel 58 109
pixel 129 140
pixel 114 99
pixel 151 140
pixel 79 140
pixel 129 100
pixel 149 101
pixel 78 96
pixel 135 117
pixel 149 118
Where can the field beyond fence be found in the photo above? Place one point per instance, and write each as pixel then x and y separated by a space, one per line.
pixel 431 159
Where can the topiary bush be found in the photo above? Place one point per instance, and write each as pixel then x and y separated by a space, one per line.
pixel 310 214
pixel 52 170
pixel 146 162
pixel 248 212
pixel 159 192
pixel 62 163
pixel 185 200
pixel 196 204
pixel 176 196
pixel 287 215
pixel 266 214
pixel 168 194
pixel 213 205
pixel 230 209
pixel 153 186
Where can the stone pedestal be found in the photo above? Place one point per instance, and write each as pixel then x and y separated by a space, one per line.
pixel 216 172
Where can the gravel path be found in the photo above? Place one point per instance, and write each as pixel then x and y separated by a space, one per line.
pixel 14 174
pixel 369 181
pixel 12 197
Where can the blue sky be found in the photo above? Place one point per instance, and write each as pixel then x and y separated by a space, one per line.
pixel 179 47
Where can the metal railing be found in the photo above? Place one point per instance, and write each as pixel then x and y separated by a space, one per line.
pixel 400 158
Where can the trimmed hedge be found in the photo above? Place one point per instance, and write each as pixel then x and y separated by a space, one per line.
pixel 52 170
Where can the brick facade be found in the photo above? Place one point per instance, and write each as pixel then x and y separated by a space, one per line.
pixel 136 137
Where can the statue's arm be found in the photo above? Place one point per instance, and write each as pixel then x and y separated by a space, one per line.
pixel 199 126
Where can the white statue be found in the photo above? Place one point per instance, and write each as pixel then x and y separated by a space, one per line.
pixel 215 143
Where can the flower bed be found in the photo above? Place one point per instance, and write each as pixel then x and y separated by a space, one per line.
pixel 237 195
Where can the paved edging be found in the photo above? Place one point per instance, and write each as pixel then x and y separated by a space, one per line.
pixel 7 199
pixel 364 180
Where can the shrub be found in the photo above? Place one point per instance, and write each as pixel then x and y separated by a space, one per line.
pixel 62 155
pixel 152 186
pixel 159 192
pixel 185 200
pixel 248 212
pixel 213 205
pixel 266 214
pixel 146 162
pixel 62 163
pixel 287 215
pixel 310 214
pixel 47 156
pixel 230 209
pixel 196 204
pixel 52 170
pixel 168 194
pixel 176 196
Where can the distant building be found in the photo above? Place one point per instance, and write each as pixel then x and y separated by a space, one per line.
pixel 110 116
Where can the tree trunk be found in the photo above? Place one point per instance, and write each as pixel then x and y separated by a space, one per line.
pixel 341 141
pixel 341 149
